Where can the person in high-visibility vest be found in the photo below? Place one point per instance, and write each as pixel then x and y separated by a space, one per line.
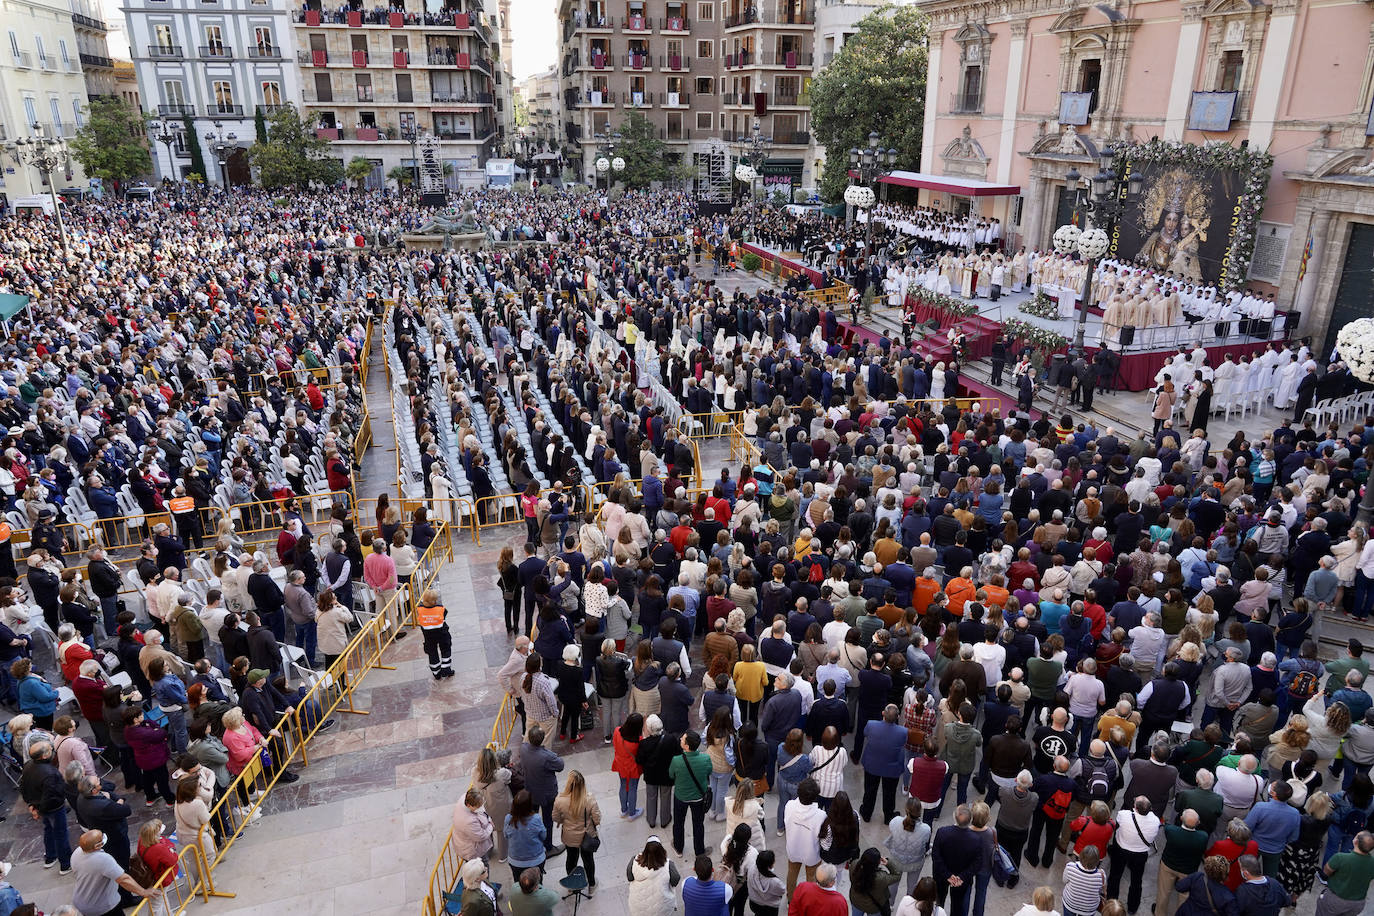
pixel 187 518
pixel 431 617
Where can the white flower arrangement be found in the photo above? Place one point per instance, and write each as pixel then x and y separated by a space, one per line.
pixel 1355 343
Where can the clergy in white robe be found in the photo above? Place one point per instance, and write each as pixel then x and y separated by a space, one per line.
pixel 1289 376
pixel 1224 381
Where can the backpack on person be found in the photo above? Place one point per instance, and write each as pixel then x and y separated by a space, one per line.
pixel 1300 788
pixel 1096 781
pixel 1056 807
pixel 1304 685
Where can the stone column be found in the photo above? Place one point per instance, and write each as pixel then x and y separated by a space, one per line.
pixel 1185 65
pixel 1033 213
pixel 1273 72
pixel 937 41
pixel 1006 146
pixel 1319 227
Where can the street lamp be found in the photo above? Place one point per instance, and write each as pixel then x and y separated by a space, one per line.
pixel 222 145
pixel 607 162
pixel 48 155
pixel 1097 197
pixel 754 150
pixel 162 132
pixel 869 166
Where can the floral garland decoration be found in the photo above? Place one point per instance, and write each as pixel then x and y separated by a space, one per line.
pixel 1034 336
pixel 1355 343
pixel 951 305
pixel 1041 306
pixel 1254 168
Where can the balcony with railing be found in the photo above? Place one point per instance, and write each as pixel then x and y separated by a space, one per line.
pixel 637 62
pixel 595 99
pixel 226 109
pixel 23 60
pixel 583 20
pixel 598 61
pixel 639 100
pixel 176 110
pixel 89 22
pixel 675 134
pixel 457 97
pixel 739 59
pixel 639 23
pixel 47 63
pixel 215 52
pixel 966 103
pixel 789 60
pixel 734 98
pixel 165 52
pixel 783 99
pixel 348 17
pixel 674 24
pixel 674 62
pixel 317 57
pixel 264 52
pixel 793 138
pixel 95 60
pixel 675 99
pixel 785 18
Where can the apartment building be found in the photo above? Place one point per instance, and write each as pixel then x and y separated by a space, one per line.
pixel 375 80
pixel 543 104
pixel 93 49
pixel 703 72
pixel 214 62
pixel 42 89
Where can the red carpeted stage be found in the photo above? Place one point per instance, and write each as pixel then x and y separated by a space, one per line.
pixel 1138 370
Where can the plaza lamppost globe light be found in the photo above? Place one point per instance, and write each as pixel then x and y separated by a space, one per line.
pixel 745 173
pixel 1066 238
pixel 603 165
pixel 618 164
pixel 856 195
pixel 1093 243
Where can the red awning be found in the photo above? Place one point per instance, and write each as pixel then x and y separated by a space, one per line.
pixel 962 187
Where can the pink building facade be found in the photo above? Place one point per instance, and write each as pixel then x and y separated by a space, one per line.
pixel 1292 77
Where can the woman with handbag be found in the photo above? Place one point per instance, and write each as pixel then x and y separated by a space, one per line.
pixel 578 814
pixel 794 765
pixel 160 857
pixel 508 578
pixel 1206 891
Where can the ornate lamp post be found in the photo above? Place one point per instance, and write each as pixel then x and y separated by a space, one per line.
pixel 870 166
pixel 607 162
pixel 1100 201
pixel 754 150
pixel 49 155
pixel 222 145
pixel 162 132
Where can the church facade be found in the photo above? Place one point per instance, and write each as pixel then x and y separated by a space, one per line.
pixel 1022 92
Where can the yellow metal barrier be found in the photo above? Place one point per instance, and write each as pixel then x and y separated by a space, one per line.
pixel 505 509
pixel 444 875
pixel 331 692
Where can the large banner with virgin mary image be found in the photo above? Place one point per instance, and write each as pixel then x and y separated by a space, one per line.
pixel 1182 220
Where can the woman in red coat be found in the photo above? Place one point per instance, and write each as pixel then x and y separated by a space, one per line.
pixel 626 742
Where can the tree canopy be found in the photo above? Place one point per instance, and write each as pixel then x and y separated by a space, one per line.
pixel 292 156
pixel 876 83
pixel 110 145
pixel 642 151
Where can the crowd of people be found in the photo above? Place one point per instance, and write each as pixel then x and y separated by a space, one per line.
pixel 1110 640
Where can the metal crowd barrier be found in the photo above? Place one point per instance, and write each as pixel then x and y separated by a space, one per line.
pixel 331 692
pixel 444 875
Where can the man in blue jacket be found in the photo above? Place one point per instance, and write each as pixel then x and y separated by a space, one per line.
pixel 540 767
pixel 781 713
pixel 882 760
pixel 1274 824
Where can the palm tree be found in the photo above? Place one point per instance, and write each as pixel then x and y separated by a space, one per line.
pixel 358 170
pixel 402 175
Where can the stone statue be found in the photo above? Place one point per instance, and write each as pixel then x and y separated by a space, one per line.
pixel 1068 141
